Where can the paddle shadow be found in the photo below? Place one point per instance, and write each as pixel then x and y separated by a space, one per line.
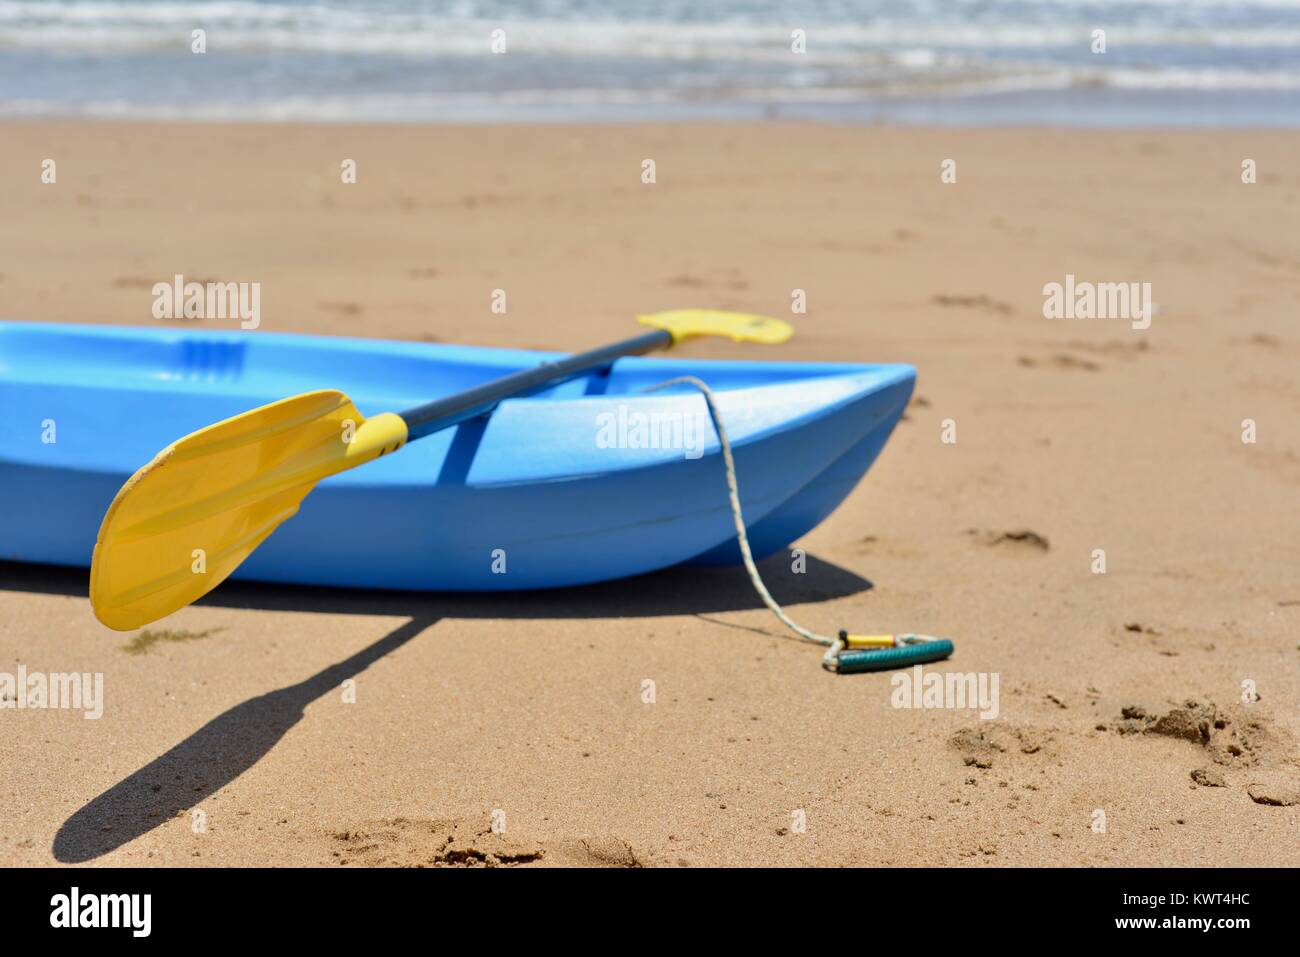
pixel 208 760
pixel 231 743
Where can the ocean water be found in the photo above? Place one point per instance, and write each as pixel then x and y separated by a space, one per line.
pixel 1167 62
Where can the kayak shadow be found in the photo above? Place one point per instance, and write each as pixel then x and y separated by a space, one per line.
pixel 673 591
pixel 209 759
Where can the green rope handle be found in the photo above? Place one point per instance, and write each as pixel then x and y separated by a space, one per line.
pixel 883 659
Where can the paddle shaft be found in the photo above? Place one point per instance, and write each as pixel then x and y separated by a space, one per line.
pixel 443 413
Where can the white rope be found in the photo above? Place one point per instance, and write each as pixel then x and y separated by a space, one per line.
pixel 834 645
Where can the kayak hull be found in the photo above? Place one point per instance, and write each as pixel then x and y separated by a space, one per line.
pixel 585 482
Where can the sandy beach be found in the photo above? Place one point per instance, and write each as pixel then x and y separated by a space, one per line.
pixel 1127 692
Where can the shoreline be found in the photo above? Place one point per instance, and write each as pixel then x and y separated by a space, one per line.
pixel 1080 108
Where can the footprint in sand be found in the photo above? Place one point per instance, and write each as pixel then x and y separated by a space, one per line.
pixel 342 308
pixel 1278 788
pixel 1112 348
pixel 918 402
pixel 981 301
pixel 982 747
pixel 1260 339
pixel 1060 360
pixel 1023 541
pixel 144 282
pixel 1281 464
pixel 597 852
pixel 874 545
pixel 403 842
pixel 1241 743
pixel 688 281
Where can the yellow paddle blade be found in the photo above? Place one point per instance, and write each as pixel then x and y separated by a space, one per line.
pixel 742 327
pixel 183 523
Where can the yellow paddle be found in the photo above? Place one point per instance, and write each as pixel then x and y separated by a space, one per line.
pixel 185 521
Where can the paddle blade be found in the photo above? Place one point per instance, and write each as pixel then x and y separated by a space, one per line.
pixel 742 327
pixel 183 523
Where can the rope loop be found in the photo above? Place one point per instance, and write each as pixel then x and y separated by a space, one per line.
pixel 845 653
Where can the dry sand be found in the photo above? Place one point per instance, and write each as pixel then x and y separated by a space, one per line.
pixel 1087 433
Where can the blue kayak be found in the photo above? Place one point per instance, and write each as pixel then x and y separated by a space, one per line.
pixel 587 481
